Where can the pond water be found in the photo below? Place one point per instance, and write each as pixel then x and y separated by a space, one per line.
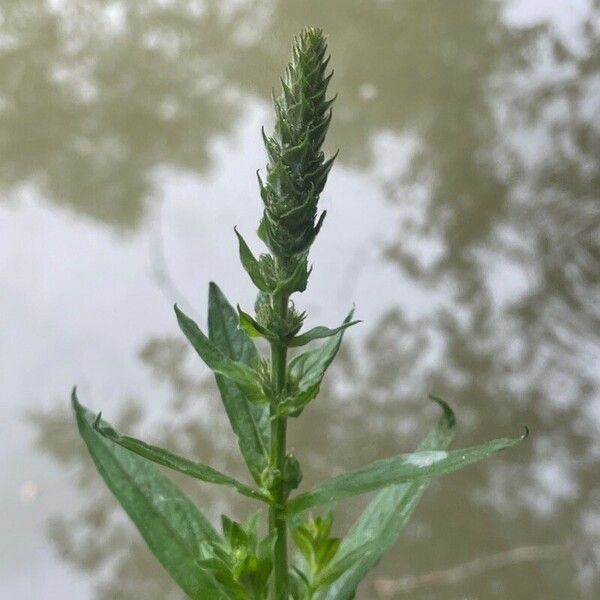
pixel 463 222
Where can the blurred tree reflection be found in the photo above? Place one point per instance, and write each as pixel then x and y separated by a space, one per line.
pixel 502 214
pixel 505 178
pixel 95 95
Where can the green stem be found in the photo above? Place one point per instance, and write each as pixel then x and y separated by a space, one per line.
pixel 277 511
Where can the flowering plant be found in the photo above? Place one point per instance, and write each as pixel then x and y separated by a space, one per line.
pixel 260 394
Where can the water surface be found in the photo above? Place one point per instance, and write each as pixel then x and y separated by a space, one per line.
pixel 463 221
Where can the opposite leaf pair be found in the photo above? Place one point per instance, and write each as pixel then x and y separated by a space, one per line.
pixel 305 372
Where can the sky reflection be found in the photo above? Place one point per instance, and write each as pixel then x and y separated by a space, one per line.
pixel 463 221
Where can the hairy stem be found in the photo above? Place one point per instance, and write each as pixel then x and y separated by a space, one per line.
pixel 277 516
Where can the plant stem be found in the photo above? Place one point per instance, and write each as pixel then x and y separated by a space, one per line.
pixel 277 516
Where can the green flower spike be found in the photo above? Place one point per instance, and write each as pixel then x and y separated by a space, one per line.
pixel 297 169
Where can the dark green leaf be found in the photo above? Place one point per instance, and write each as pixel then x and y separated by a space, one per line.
pixel 251 327
pixel 297 281
pixel 383 520
pixel 326 552
pixel 251 527
pixel 242 564
pixel 308 369
pixel 222 573
pixel 172 461
pixel 295 404
pixel 170 524
pixel 318 333
pixel 240 373
pixel 251 265
pixel 249 421
pixel 423 464
pixel 234 533
pixel 304 541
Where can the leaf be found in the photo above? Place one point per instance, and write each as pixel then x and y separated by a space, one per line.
pixel 252 265
pixel 297 281
pixel 384 519
pixel 252 327
pixel 317 333
pixel 304 541
pixel 296 403
pixel 172 461
pixel 170 524
pixel 423 464
pixel 251 527
pixel 326 552
pixel 249 421
pixel 234 533
pixel 240 373
pixel 342 564
pixel 308 369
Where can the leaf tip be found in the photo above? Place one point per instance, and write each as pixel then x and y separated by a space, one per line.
pixel 178 312
pixel 74 399
pixel 214 293
pixel 449 415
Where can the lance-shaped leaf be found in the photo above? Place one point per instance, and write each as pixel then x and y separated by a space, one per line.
pixel 249 421
pixel 169 522
pixel 252 265
pixel 317 333
pixel 423 464
pixel 172 461
pixel 251 327
pixel 384 519
pixel 297 281
pixel 240 373
pixel 307 369
pixel 295 404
